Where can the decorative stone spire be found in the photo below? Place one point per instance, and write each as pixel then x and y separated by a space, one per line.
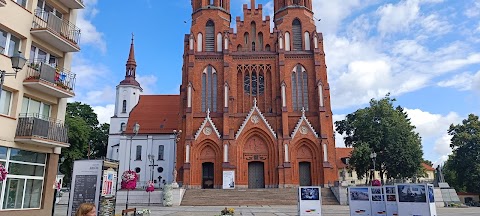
pixel 131 67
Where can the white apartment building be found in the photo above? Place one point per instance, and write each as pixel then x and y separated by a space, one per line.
pixel 33 103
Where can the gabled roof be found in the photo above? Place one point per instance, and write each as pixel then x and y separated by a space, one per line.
pixel 300 121
pixel 428 167
pixel 207 120
pixel 342 153
pixel 156 114
pixel 250 114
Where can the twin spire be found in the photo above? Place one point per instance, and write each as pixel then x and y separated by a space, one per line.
pixel 131 67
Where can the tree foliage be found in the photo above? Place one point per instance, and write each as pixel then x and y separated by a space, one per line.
pixel 84 134
pixel 463 166
pixel 388 132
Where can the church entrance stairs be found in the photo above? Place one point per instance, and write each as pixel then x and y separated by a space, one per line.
pixel 252 197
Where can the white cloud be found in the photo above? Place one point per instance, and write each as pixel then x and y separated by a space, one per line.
pixel 147 82
pixel 463 81
pixel 398 17
pixel 90 34
pixel 338 137
pixel 104 112
pixel 473 10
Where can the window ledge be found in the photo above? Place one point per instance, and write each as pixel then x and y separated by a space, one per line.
pixel 6 116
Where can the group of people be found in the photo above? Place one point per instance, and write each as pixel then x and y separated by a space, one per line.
pixel 86 209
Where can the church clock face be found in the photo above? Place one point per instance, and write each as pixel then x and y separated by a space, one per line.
pixel 254 85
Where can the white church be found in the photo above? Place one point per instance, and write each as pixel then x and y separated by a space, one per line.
pixel 150 152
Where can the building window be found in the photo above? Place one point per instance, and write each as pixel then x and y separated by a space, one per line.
pixel 37 55
pixel 161 150
pixel 22 3
pixel 137 169
pixel 34 108
pixel 299 88
pixel 210 2
pixel 9 44
pixel 23 187
pixel 124 106
pixel 209 89
pixel 123 127
pixel 254 85
pixel 5 102
pixel 260 41
pixel 138 155
pixel 210 36
pixel 297 34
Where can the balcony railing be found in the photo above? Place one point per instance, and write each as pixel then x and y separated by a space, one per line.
pixel 39 69
pixel 37 126
pixel 63 28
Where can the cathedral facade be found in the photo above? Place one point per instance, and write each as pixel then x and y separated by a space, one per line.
pixel 255 101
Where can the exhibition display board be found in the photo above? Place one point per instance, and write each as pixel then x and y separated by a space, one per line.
pixel 93 181
pixel 309 201
pixel 228 180
pixel 390 198
pixel 416 199
pixel 377 201
pixel 359 200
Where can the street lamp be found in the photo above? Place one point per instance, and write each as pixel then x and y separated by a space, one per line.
pixel 151 157
pixel 373 156
pixel 136 128
pixel 18 61
pixel 177 138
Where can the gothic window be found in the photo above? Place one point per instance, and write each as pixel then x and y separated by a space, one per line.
pixel 161 149
pixel 260 40
pixel 199 42
pixel 138 155
pixel 210 2
pixel 253 27
pixel 239 48
pixel 209 89
pixel 307 41
pixel 219 42
pixel 299 88
pixel 123 126
pixel 124 106
pixel 267 47
pixel 296 2
pixel 254 84
pixel 253 46
pixel 246 35
pixel 210 36
pixel 297 34
pixel 287 41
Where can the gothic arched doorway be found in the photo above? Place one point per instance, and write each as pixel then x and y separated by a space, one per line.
pixel 256 175
pixel 208 173
pixel 305 173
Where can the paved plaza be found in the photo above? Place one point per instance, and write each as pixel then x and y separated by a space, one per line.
pixel 329 210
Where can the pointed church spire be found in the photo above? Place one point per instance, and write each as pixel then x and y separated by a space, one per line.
pixel 131 67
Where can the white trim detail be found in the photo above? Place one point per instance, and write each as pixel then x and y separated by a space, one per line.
pixel 302 119
pixel 250 114
pixel 207 119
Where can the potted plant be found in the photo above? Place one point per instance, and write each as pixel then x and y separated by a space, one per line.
pixel 144 212
pixel 228 211
pixel 129 180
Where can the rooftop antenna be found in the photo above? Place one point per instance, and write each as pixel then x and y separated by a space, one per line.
pixel 316 19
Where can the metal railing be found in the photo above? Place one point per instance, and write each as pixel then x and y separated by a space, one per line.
pixel 39 69
pixel 63 28
pixel 37 125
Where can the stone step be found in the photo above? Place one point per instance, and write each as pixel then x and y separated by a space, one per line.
pixel 275 196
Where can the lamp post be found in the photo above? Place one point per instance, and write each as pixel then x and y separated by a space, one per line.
pixel 136 128
pixel 18 61
pixel 152 168
pixel 174 173
pixel 373 156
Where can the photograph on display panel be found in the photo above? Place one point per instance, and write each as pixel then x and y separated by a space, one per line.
pixel 310 194
pixel 390 190
pixel 359 194
pixel 412 193
pixel 376 190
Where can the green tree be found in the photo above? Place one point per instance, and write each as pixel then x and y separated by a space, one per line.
pixel 388 132
pixel 428 162
pixel 78 134
pixel 86 136
pixel 465 161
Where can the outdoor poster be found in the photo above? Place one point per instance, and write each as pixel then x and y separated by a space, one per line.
pixel 309 201
pixel 359 201
pixel 109 182
pixel 378 201
pixel 391 206
pixel 228 180
pixel 431 198
pixel 86 180
pixel 413 200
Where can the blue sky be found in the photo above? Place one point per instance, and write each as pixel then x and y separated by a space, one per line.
pixel 425 52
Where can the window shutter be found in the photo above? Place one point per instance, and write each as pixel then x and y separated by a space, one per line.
pixel 210 37
pixel 297 35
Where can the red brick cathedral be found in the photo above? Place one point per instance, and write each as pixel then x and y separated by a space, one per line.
pixel 254 101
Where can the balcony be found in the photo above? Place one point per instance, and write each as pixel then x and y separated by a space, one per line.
pixel 58 32
pixel 3 3
pixel 49 79
pixel 37 130
pixel 73 4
